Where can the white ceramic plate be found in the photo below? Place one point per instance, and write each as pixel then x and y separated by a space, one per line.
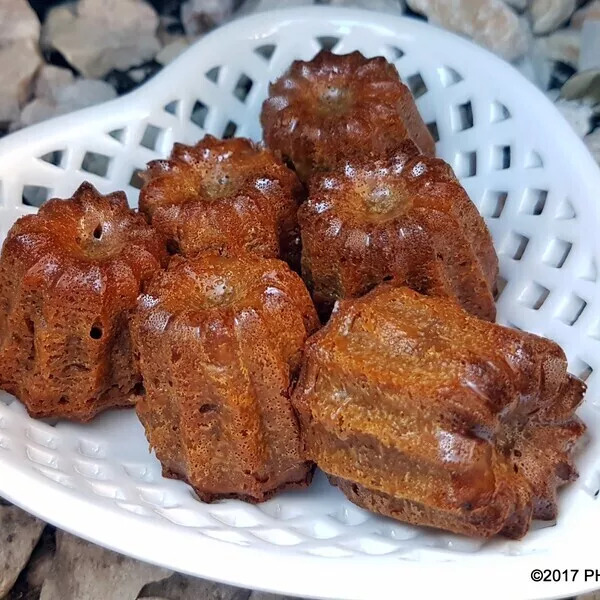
pixel 538 189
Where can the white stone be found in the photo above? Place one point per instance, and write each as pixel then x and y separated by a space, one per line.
pixel 33 112
pixel 578 114
pixel 19 533
pixel 490 23
pixel 84 92
pixel 548 15
pixel 199 16
pixel 589 12
pixel 170 52
pixel 81 93
pixel 19 63
pixel 83 571
pixel 18 21
pixel 562 45
pixel 592 141
pixel 50 79
pixel 96 36
pixel 388 6
pixel 535 67
pixel 183 587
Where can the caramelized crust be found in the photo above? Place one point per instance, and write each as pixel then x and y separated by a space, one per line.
pixel 423 413
pixel 224 196
pixel 322 111
pixel 69 276
pixel 404 218
pixel 220 342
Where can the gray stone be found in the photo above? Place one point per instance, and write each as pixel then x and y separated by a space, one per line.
pixel 19 63
pixel 490 23
pixel 83 571
pixel 81 93
pixel 19 533
pixel 182 587
pixel 536 67
pixel 578 114
pixel 592 141
pixel 18 21
pixel 562 45
pixel 548 15
pixel 583 86
pixel 50 80
pixel 590 11
pixel 589 56
pixel 96 36
pixel 170 52
pixel 199 16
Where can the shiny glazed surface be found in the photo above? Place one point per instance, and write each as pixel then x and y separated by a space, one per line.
pixel 321 111
pixel 404 218
pixel 224 196
pixel 69 276
pixel 220 343
pixel 423 413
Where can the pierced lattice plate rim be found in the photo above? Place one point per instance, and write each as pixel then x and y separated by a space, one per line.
pixel 530 176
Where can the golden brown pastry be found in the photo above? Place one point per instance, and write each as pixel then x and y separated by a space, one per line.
pixel 225 197
pixel 69 275
pixel 322 111
pixel 423 413
pixel 220 342
pixel 404 218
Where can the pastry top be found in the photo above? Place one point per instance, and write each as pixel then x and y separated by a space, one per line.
pixel 218 296
pixel 216 195
pixel 470 415
pixel 366 196
pixel 332 106
pixel 89 244
pixel 394 217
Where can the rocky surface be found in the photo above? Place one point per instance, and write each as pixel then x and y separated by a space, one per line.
pixel 548 15
pixel 19 62
pixel 491 23
pixel 561 46
pixel 199 16
pixel 589 11
pixel 96 36
pixel 180 587
pixel 84 571
pixel 18 21
pixel 19 534
pixel 60 96
pixel 92 50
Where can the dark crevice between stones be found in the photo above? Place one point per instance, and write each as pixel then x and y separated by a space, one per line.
pixel 29 583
